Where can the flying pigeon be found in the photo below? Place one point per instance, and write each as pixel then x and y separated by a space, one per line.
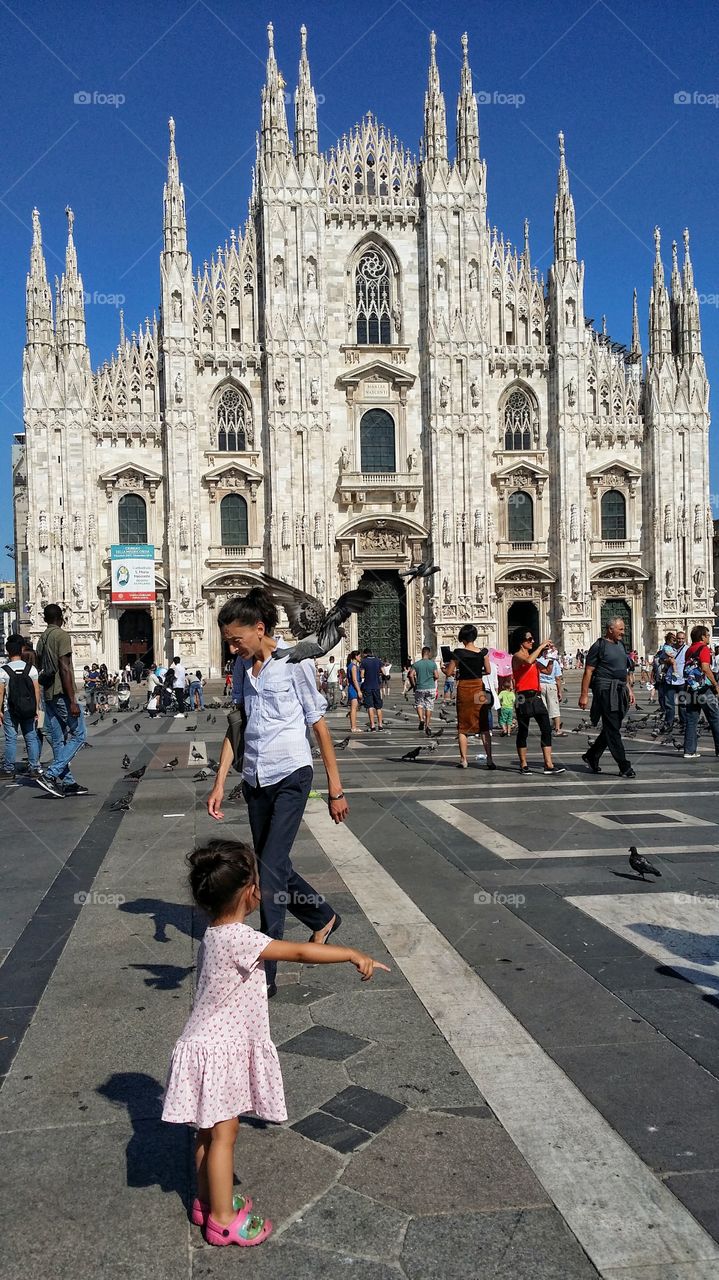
pixel 413 754
pixel 138 773
pixel 639 863
pixel 137 727
pixel 317 629
pixel 126 761
pixel 425 569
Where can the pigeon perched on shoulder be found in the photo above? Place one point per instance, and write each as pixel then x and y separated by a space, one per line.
pixel 639 863
pixel 318 630
pixel 425 569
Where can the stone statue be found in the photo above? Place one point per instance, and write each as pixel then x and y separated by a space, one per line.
pixel 311 274
pixel 43 531
pixel 314 390
pixel 444 392
pixel 669 582
pixel 349 313
pixel 575 586
pixel 179 389
pixel 441 276
pixel 184 532
pixel 573 523
pixel 397 318
pixel 683 599
pixel 447 591
pixel 413 461
pixel 184 588
pixel 43 590
pixel 479 583
pixel 319 584
pixel 279 274
pixel 571 393
pixel 474 393
pixel 698 582
pixel 281 388
pixel 176 306
pixel 473 277
pixel 682 523
pixel 78 591
pixel 344 458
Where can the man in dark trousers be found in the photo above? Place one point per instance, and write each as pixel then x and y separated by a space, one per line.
pixel 64 721
pixel 607 674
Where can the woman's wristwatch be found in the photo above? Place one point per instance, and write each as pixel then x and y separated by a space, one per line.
pixel 341 796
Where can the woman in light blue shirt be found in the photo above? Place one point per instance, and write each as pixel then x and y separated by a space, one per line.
pixel 281 702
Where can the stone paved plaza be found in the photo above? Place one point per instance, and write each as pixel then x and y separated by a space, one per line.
pixel 530 1094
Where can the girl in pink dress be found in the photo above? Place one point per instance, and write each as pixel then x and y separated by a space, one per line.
pixel 225 1063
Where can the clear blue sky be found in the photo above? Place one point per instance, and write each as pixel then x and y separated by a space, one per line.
pixel 605 74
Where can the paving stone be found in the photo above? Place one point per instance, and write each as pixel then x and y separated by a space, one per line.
pixel 424 1163
pixel 309 1082
pixel 531 1244
pixel 685 1016
pixel 323 1042
pixel 364 1107
pixel 392 1016
pixel 307 1170
pixel 700 1193
pixel 351 1224
pixel 479 1113
pixel 332 1131
pixel 420 1073
pixel 298 993
pixel 282 1259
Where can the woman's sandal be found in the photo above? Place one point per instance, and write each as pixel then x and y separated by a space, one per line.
pixel 200 1212
pixel 245 1229
pixel 335 927
pixel 463 764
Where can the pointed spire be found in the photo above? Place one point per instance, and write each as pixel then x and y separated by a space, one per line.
pixel 691 337
pixel 435 115
pixel 122 327
pixel 175 222
pixel 676 278
pixel 565 226
pixel 38 298
pixel 305 108
pixel 275 138
pixel 660 332
pixel 71 297
pixel 467 117
pixel 636 349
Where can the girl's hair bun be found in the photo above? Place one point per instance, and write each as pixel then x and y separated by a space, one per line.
pixel 219 870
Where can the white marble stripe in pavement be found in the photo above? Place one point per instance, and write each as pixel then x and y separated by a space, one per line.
pixel 680 930
pixel 556 793
pixel 492 840
pixel 628 1222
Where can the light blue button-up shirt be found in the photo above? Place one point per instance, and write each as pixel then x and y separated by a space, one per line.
pixel 281 703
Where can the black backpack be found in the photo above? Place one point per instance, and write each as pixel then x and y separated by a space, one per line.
pixel 21 701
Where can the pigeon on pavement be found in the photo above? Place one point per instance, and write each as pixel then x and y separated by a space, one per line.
pixel 137 727
pixel 639 863
pixel 138 773
pixel 122 805
pixel 202 776
pixel 172 764
pixel 412 755
pixel 196 755
pixel 425 569
pixel 318 630
pixel 438 733
pixel 114 719
pixel 126 761
pixel 340 746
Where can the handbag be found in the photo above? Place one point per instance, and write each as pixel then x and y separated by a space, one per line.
pixel 236 725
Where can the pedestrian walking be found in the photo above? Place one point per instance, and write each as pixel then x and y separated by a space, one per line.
pixel 529 704
pixel 281 701
pixel 179 686
pixel 370 684
pixel 469 664
pixel 225 1063
pixel 196 696
pixel 424 674
pixel 354 692
pixel 607 674
pixel 386 670
pixel 701 692
pixel 507 699
pixel 550 688
pixel 19 707
pixel 332 680
pixel 64 721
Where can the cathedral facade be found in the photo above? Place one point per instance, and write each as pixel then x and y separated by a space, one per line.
pixel 366 376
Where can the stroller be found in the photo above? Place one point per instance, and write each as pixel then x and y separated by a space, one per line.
pixel 123 696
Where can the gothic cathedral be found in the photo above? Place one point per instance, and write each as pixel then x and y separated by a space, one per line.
pixel 365 377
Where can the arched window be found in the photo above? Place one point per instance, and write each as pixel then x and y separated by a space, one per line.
pixel 373 300
pixel 377 451
pixel 132 519
pixel 521 517
pixel 614 516
pixel 233 521
pixel 518 420
pixel 231 421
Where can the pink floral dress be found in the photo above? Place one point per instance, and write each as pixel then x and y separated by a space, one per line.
pixel 225 1063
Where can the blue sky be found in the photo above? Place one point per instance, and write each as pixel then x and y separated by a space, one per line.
pixel 607 74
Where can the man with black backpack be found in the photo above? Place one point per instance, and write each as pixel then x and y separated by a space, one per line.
pixel 19 705
pixel 64 721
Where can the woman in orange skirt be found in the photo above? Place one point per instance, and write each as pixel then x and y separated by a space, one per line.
pixel 469 664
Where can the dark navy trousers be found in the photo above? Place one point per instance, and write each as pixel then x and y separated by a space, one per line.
pixel 275 814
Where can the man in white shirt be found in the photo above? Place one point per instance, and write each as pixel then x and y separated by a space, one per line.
pixel 179 687
pixel 331 677
pixel 19 707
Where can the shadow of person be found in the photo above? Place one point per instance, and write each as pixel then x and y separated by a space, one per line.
pixel 702 948
pixel 164 977
pixel 157 1154
pixel 179 915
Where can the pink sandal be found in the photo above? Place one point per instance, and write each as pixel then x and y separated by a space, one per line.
pixel 200 1212
pixel 245 1229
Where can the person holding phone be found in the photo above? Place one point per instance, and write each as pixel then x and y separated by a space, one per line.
pixel 529 704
